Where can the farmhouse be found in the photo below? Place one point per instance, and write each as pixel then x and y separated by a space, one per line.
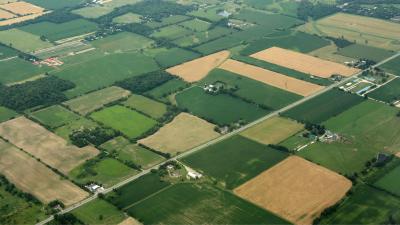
pixel 94 188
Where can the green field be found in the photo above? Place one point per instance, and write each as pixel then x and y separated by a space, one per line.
pixel 54 4
pixel 195 204
pixel 175 56
pixel 196 25
pixel 210 13
pixel 128 18
pixel 146 106
pixel 223 43
pixel 217 108
pixel 93 12
pixel 202 37
pixel 390 182
pixel 66 130
pixel 129 122
pixel 267 20
pixel 6 52
pixel 323 107
pixel 393 66
pixel 357 51
pixel 126 151
pixel 17 70
pixel 268 96
pixel 54 116
pixel 23 41
pixel 6 114
pixel 167 88
pixel 98 212
pixel 174 19
pixel 58 31
pixel 122 42
pixel 387 93
pixel 235 160
pixel 171 32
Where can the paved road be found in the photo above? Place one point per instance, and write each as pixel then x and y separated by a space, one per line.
pixel 219 139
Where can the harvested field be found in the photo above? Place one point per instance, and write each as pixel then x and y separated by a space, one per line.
pixel 21 19
pixel 398 154
pixel 48 147
pixel 303 63
pixel 271 78
pixel 296 190
pixel 5 15
pixel 22 8
pixel 33 177
pixel 197 69
pixel 130 221
pixel 183 133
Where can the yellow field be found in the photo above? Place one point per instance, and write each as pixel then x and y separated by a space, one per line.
pixel 273 130
pixel 363 30
pixel 20 19
pixel 5 15
pixel 304 63
pixel 296 190
pixel 197 69
pixel 33 177
pixel 22 8
pixel 130 221
pixel 271 78
pixel 183 133
pixel 41 143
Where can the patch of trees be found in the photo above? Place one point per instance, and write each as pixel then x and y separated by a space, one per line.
pixel 158 9
pixel 279 148
pixel 10 188
pixel 315 129
pixel 307 10
pixel 374 8
pixel 145 82
pixel 95 136
pixel 340 42
pixel 138 28
pixel 65 219
pixel 45 91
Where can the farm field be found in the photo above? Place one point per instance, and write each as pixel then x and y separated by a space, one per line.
pixel 358 51
pixel 146 106
pixel 6 114
pixel 390 182
pixel 23 41
pixel 128 18
pixel 48 147
pixel 220 44
pixel 202 66
pixel 304 63
pixel 22 8
pixel 196 25
pixel 273 130
pixel 268 77
pixel 7 52
pixel 182 133
pixel 392 66
pixel 323 107
pixel 235 160
pixel 17 70
pixel 169 87
pixel 387 93
pixel 92 12
pixel 214 108
pixel 296 190
pixel 174 19
pixel 129 122
pixel 54 116
pixel 179 56
pixel 67 129
pixel 209 14
pixel 171 32
pixel 202 37
pixel 33 177
pixel 54 4
pixel 373 32
pixel 96 100
pixel 269 21
pixel 99 212
pixel 122 42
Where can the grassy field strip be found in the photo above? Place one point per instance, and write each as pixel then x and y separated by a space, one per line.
pixel 221 138
pixel 155 193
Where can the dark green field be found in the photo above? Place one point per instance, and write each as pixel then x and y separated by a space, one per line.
pixel 272 21
pixel 393 66
pixel 54 116
pixel 167 88
pixel 6 52
pixel 235 160
pixel 6 114
pixel 323 107
pixel 390 182
pixel 217 108
pixel 357 51
pixel 195 204
pixel 388 93
pixel 17 70
pixel 55 4
pixel 175 56
pixel 218 45
pixel 202 37
pixel 99 212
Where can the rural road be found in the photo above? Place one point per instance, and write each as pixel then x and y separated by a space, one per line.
pixel 214 141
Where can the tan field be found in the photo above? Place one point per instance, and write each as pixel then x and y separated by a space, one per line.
pixel 22 8
pixel 304 63
pixel 183 133
pixel 398 154
pixel 271 78
pixel 33 177
pixel 295 189
pixel 197 69
pixel 130 221
pixel 273 130
pixel 5 15
pixel 20 19
pixel 41 143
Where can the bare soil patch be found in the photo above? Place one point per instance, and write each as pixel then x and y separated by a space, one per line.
pixel 197 69
pixel 33 177
pixel 303 62
pixel 295 189
pixel 41 143
pixel 22 8
pixel 271 78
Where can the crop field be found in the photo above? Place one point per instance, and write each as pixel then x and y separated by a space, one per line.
pixel 209 14
pixel 128 18
pixel 92 12
pixel 146 106
pixel 122 42
pixel 235 160
pixel 193 204
pixel 214 108
pixel 22 8
pixel 96 100
pixel 367 129
pixel 175 56
pixel 183 133
pixel 54 4
pixel 365 30
pixel 323 107
pixel 129 122
pixel 33 177
pixel 42 144
pixel 54 116
pixel 197 69
pixel 273 131
pixel 169 87
pixel 392 66
pixel 23 41
pixel 67 129
pixel 268 77
pixel 55 32
pixel 107 172
pixel 174 19
pixel 7 52
pixel 126 151
pixel 269 21
pixel 219 44
pixel 296 190
pixel 171 32
pixel 252 90
pixel 99 212
pixel 6 114
pixel 387 93
pixel 98 73
pixel 18 70
pixel 202 37
pixel 304 63
pixel 196 25
pixel 358 51
pixel 390 181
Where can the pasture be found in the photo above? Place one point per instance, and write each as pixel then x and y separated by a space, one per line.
pixel 169 87
pixel 171 32
pixel 296 190
pixel 129 122
pixel 175 56
pixel 96 100
pixel 174 19
pixel 34 177
pixel 18 70
pixel 146 106
pixel 202 37
pixel 269 21
pixel 99 212
pixel 122 42
pixel 6 114
pixel 273 130
pixel 387 93
pixel 390 181
pixel 358 51
pixel 54 116
pixel 196 25
pixel 23 41
pixel 7 52
pixel 182 133
pixel 44 145
pixel 92 12
pixel 128 18
pixel 235 160
pixel 214 108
